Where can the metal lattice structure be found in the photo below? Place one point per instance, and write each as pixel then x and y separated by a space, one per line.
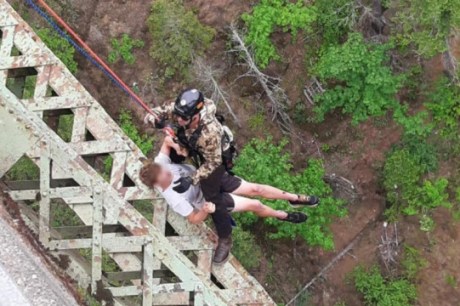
pixel 36 91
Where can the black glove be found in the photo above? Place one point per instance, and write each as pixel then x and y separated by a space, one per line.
pixel 160 123
pixel 183 184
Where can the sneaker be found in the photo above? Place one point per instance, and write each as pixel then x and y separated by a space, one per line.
pixel 222 251
pixel 304 200
pixel 295 217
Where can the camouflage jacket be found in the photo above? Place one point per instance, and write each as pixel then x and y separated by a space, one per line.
pixel 210 141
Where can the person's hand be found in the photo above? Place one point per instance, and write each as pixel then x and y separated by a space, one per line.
pixel 149 119
pixel 209 207
pixel 183 184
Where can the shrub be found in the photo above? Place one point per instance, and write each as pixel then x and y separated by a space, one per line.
pixel 425 23
pixel 335 19
pixel 266 16
pixel 123 48
pixel 424 152
pixel 245 248
pixel 444 104
pixel 378 291
pixel 359 82
pixel 177 36
pixel 60 47
pixel 402 181
pixel 401 175
pixel 412 262
pixel 264 162
pixel 143 141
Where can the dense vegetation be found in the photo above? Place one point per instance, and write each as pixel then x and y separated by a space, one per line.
pixel 178 36
pixel 271 14
pixel 363 85
pixel 264 162
pixel 60 47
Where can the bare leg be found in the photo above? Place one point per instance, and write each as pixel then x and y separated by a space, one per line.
pixel 255 206
pixel 264 191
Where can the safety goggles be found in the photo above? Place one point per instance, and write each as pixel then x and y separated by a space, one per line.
pixel 185 118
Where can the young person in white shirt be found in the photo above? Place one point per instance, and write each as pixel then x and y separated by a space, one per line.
pixel 162 173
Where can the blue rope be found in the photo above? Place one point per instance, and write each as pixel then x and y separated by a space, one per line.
pixel 78 48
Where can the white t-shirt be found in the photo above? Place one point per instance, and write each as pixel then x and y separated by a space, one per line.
pixel 181 203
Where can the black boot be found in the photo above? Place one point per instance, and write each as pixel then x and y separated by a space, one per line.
pixel 295 217
pixel 306 201
pixel 223 250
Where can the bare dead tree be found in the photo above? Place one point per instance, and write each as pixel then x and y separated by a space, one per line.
pixel 275 94
pixel 207 76
pixel 389 246
pixel 450 63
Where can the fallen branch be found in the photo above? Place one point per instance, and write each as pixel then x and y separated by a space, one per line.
pixel 325 269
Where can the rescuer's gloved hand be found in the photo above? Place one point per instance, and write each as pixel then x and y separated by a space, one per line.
pixel 158 122
pixel 183 184
pixel 149 118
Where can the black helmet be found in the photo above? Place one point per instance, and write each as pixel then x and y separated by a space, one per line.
pixel 189 103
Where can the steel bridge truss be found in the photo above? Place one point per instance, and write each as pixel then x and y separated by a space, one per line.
pixel 113 249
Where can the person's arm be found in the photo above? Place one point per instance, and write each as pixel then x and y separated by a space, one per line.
pixel 210 143
pixel 198 216
pixel 169 143
pixel 164 112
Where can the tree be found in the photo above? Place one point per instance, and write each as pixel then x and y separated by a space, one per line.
pixel 178 36
pixel 358 80
pixel 275 93
pixel 266 16
pixel 425 23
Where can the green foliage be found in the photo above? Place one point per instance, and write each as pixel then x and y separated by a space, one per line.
pixel 246 249
pixel 451 280
pixel 402 181
pixel 378 291
pixel 87 298
pixel 335 19
pixel 425 23
pixel 359 81
pixel 123 48
pixel 401 173
pixel 266 16
pixel 424 152
pixel 65 126
pixel 143 141
pixel 264 162
pixel 257 121
pixel 444 104
pixel 145 207
pixel 177 36
pixel 300 115
pixel 414 126
pixel 63 215
pixel 60 47
pixel 412 262
pixel 24 169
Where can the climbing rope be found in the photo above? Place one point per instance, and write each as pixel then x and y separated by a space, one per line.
pixel 84 49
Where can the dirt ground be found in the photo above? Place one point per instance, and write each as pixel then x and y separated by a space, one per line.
pixel 355 153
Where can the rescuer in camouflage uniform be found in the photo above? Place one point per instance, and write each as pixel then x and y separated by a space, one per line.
pixel 201 134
